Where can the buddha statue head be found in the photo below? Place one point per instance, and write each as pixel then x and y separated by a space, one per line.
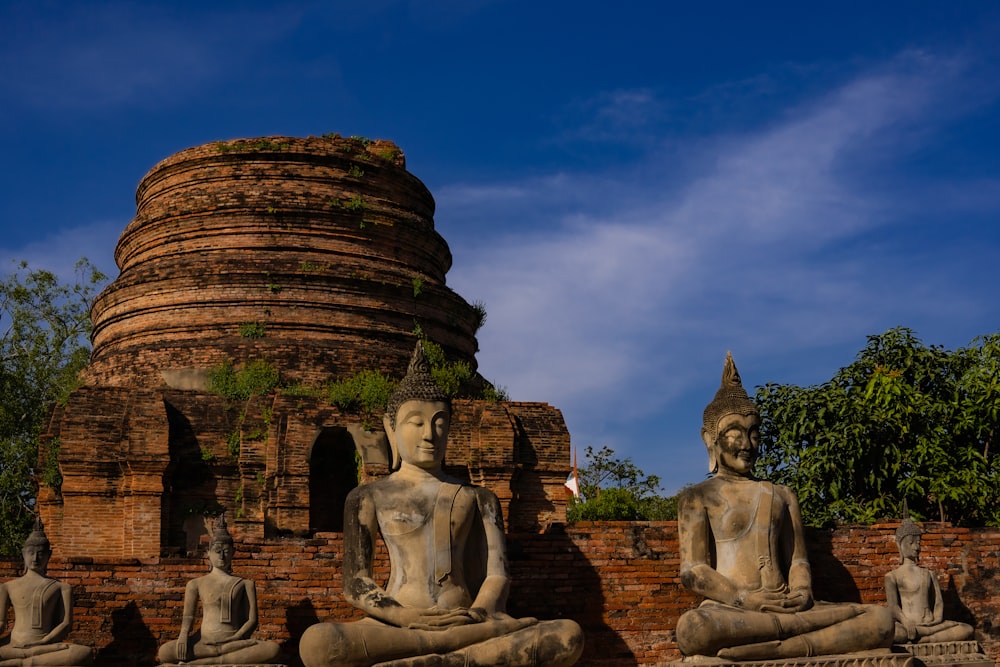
pixel 730 411
pixel 417 392
pixel 37 549
pixel 908 536
pixel 220 548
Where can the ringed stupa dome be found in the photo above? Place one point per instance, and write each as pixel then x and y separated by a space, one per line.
pixel 317 254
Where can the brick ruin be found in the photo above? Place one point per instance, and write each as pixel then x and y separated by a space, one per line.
pixel 319 257
pixel 620 580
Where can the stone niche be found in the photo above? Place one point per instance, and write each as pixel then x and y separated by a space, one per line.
pixel 320 257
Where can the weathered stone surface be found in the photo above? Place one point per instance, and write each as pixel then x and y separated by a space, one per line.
pixel 941 649
pixel 743 548
pixel 229 614
pixel 874 658
pixel 947 654
pixel 43 613
pixel 446 597
pixel 914 595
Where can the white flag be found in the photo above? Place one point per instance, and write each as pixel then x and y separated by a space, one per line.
pixel 572 485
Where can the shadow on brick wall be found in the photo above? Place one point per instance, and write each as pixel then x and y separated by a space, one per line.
pixel 298 617
pixel 832 582
pixel 954 608
pixel 132 644
pixel 553 579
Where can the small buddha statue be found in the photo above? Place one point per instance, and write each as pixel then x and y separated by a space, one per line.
pixel 43 612
pixel 444 602
pixel 742 547
pixel 229 614
pixel 914 595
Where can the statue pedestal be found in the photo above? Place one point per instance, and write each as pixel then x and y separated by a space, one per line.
pixel 944 654
pixel 223 664
pixel 874 658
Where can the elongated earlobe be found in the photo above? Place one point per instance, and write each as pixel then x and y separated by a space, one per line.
pixel 713 451
pixel 390 434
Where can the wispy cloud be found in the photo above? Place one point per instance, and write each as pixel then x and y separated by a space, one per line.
pixel 624 115
pixel 60 252
pixel 766 251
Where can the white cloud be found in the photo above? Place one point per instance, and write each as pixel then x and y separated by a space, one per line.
pixel 60 252
pixel 628 115
pixel 610 312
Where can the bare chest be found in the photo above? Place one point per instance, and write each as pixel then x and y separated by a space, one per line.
pixel 418 513
pixel 746 509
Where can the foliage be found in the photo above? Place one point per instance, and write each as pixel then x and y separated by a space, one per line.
pixel 301 390
pixel 389 154
pixel 307 265
pixel 495 393
pixel 233 442
pixel 614 489
pixel 50 475
pixel 251 146
pixel 356 203
pixel 255 378
pixel 604 470
pixel 451 376
pixel 904 421
pixel 252 330
pixel 366 392
pixel 43 346
pixel 479 311
pixel 613 504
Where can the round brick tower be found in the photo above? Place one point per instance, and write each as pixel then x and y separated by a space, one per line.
pixel 318 255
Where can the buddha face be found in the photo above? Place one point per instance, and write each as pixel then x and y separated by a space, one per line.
pixel 36 558
pixel 220 556
pixel 909 547
pixel 421 433
pixel 738 443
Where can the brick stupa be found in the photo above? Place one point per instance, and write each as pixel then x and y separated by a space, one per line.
pixel 319 257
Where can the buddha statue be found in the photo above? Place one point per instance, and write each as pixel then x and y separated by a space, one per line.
pixel 444 602
pixel 914 595
pixel 229 614
pixel 742 547
pixel 43 612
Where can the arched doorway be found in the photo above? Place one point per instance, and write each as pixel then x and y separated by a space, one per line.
pixel 333 472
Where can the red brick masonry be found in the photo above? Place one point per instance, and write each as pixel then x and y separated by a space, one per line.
pixel 618 579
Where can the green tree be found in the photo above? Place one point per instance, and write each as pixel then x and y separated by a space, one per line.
pixel 44 344
pixel 903 421
pixel 615 489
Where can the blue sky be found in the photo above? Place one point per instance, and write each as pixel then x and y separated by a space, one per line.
pixel 632 188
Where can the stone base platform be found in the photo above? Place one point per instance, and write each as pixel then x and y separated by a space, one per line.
pixel 875 658
pixel 945 654
pixel 222 664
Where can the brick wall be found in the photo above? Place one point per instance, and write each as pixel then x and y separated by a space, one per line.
pixel 619 580
pixel 139 465
pixel 328 243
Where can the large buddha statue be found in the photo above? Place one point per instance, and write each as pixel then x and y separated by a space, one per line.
pixel 914 595
pixel 444 602
pixel 742 548
pixel 43 612
pixel 229 614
